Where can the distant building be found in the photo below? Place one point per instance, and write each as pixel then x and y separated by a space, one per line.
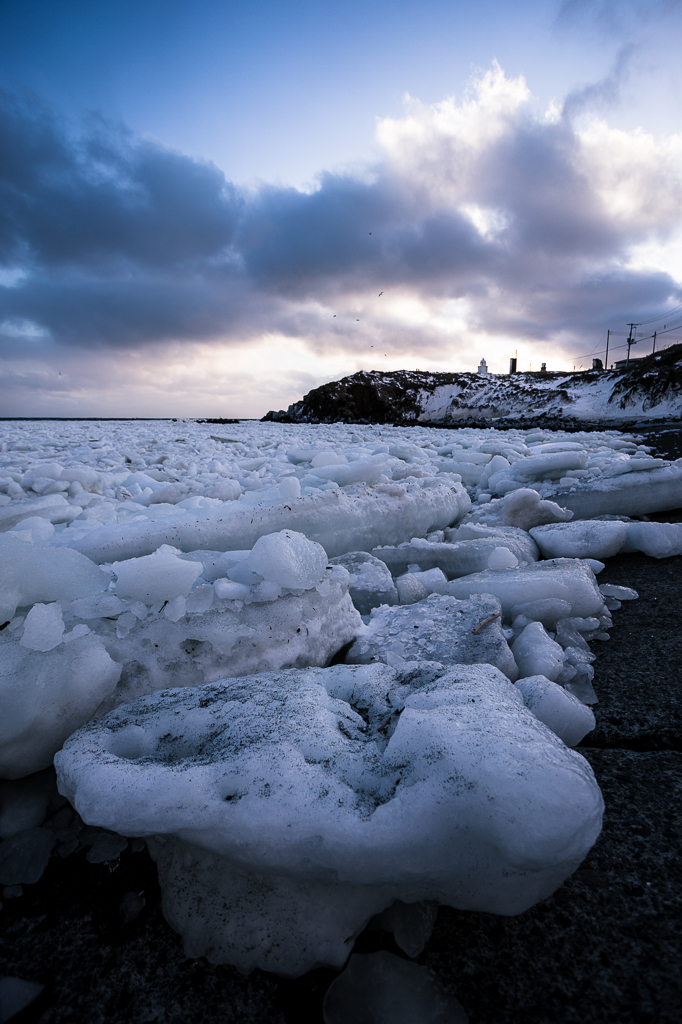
pixel 620 364
pixel 483 368
pixel 597 364
pixel 512 365
pixel 543 368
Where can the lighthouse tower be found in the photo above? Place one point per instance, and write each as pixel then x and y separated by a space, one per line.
pixel 483 368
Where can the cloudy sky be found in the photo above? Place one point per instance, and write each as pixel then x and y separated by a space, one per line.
pixel 209 207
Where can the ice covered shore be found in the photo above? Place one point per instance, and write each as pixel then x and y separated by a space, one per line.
pixel 648 388
pixel 153 574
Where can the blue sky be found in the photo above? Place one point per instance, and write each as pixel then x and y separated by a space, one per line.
pixel 188 191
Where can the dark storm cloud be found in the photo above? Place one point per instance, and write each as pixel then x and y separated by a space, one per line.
pixel 349 233
pixel 123 242
pixel 104 199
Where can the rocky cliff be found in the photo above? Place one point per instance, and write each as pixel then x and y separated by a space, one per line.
pixel 650 389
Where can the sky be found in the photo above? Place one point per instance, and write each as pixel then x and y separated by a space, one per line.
pixel 209 208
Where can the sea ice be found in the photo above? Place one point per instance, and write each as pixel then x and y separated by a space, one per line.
pixel 24 857
pixel 439 628
pixel 561 712
pixel 522 508
pixel 415 585
pixel 410 923
pixel 53 507
pixel 381 988
pixel 161 576
pixel 285 810
pixel 32 573
pixel 626 494
pixel 502 558
pixel 45 696
pixel 358 519
pixel 258 628
pixel 371 583
pixel 24 802
pixel 16 994
pixel 43 627
pixel 460 558
pixel 564 579
pixel 536 654
pixel 288 559
pixel 582 538
pixel 411 589
pixel 547 610
pixel 657 540
pixel 620 593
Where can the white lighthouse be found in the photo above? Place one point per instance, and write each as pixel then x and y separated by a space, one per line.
pixel 483 368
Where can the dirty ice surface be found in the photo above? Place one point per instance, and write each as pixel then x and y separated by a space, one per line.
pixel 172 568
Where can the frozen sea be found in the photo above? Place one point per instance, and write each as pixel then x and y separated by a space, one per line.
pixel 149 562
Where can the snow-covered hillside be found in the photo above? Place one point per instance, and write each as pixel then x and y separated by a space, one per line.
pixel 650 389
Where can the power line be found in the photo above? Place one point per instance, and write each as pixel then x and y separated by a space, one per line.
pixel 663 316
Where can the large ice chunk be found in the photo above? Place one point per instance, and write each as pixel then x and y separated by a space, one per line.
pixel 31 574
pixel 288 559
pixel 522 508
pixel 564 578
pixel 339 521
pixel 583 538
pixel 658 540
pixel 244 630
pixel 371 584
pixel 285 810
pixel 536 654
pixel 52 507
pixel 546 610
pixel 158 577
pixel 361 471
pixel 43 628
pixel 550 465
pixel 439 628
pixel 561 712
pixel 45 696
pixel 460 558
pixel 626 494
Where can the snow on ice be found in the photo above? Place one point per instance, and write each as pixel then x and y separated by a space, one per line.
pixel 283 814
pixel 265 631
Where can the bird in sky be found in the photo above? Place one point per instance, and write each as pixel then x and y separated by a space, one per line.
pixel 380 294
pixel 357 321
pixel 333 316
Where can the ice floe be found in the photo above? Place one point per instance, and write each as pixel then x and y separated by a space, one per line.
pixel 284 810
pixel 270 649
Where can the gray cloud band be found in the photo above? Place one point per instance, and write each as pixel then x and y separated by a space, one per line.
pixel 112 241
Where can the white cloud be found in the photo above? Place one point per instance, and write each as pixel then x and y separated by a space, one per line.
pixel 19 327
pixel 435 146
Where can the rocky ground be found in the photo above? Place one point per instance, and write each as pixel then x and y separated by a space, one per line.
pixel 605 948
pixel 648 389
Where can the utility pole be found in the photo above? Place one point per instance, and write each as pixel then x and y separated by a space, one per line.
pixel 654 348
pixel 606 357
pixel 631 341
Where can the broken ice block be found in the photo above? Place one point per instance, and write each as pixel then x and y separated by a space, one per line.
pixel 283 813
pixel 439 628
